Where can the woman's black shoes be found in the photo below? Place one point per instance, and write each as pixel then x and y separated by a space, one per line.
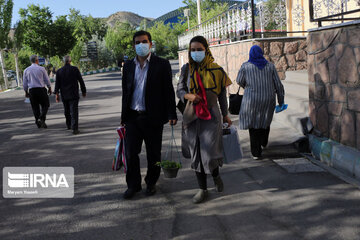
pixel 219 185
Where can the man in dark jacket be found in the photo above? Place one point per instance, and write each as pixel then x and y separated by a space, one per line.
pixel 67 83
pixel 148 102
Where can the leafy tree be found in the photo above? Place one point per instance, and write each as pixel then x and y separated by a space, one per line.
pixel 85 27
pixel 17 43
pixel 76 52
pixel 105 57
pixel 43 35
pixel 6 7
pixel 119 40
pixel 23 59
pixel 56 62
pixel 165 38
pixel 62 39
pixel 37 22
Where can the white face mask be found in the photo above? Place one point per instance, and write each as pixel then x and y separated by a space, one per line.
pixel 198 56
pixel 142 49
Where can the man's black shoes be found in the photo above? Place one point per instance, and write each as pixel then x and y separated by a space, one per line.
pixel 43 124
pixel 38 123
pixel 150 190
pixel 75 131
pixel 130 193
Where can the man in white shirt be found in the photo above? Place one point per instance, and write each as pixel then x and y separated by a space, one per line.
pixel 35 79
pixel 148 102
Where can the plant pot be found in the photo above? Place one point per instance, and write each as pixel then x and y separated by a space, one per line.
pixel 170 172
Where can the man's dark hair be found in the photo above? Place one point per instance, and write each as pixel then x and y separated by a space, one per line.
pixel 141 33
pixel 201 40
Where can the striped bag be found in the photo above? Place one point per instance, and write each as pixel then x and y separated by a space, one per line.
pixel 119 155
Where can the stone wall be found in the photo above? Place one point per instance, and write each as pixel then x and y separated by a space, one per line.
pixel 334 81
pixel 288 54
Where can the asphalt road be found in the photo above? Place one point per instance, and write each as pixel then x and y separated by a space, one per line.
pixel 261 200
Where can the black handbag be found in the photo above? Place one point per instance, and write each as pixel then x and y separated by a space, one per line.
pixel 235 103
pixel 181 105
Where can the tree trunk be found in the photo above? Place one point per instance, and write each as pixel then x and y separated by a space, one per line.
pixel 2 62
pixel 19 80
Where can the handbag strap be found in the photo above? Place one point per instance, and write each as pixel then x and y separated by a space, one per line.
pixel 238 90
pixel 186 76
pixel 172 142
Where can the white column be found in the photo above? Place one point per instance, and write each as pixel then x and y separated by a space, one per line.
pixel 2 62
pixel 199 11
pixel 19 80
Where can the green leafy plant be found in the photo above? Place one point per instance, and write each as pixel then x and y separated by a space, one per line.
pixel 168 164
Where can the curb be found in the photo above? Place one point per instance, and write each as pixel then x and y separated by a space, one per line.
pixel 101 71
pixel 11 89
pixel 7 90
pixel 333 171
pixel 335 155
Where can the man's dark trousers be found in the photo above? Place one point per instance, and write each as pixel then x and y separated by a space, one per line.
pixel 39 97
pixel 71 111
pixel 138 129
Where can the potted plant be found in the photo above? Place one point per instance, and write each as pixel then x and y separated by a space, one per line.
pixel 170 168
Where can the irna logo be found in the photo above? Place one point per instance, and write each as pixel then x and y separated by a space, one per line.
pixel 38 182
pixel 16 180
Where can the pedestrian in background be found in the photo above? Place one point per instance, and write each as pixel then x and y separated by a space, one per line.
pixel 34 81
pixel 148 102
pixel 67 84
pixel 261 82
pixel 120 62
pixel 203 84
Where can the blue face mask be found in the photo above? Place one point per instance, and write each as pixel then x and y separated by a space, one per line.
pixel 198 56
pixel 142 49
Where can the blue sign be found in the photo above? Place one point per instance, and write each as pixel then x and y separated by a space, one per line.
pixel 41 61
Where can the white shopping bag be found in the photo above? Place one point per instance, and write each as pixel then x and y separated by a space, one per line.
pixel 232 146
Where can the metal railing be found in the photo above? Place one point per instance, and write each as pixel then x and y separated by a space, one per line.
pixel 334 10
pixel 242 21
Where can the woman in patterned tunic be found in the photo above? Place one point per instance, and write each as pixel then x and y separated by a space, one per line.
pixel 203 83
pixel 261 82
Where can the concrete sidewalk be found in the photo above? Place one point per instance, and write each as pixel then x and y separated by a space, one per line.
pixel 341 160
